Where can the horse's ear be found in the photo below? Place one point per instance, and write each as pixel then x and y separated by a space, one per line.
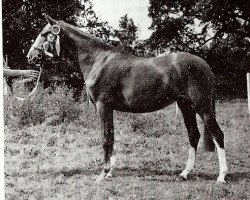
pixel 49 19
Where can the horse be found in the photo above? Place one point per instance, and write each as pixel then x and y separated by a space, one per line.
pixel 118 80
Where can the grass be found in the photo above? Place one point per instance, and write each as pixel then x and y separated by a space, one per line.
pixel 60 157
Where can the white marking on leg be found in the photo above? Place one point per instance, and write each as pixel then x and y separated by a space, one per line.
pixel 190 162
pixel 201 142
pixel 112 165
pixel 103 174
pixel 112 161
pixel 222 163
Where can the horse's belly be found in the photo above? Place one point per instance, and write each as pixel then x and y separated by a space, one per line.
pixel 147 102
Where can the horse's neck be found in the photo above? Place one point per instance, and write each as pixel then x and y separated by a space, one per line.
pixel 88 53
pixel 94 57
pixel 87 50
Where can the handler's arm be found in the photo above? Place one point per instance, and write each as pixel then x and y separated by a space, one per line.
pixel 25 73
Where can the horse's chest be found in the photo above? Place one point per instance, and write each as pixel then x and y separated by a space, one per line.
pixel 91 87
pixel 100 84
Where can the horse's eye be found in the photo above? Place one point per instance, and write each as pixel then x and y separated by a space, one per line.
pixel 56 29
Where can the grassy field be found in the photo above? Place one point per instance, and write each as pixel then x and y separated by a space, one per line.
pixel 54 152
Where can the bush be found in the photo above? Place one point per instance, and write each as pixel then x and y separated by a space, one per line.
pixel 62 106
pixel 44 106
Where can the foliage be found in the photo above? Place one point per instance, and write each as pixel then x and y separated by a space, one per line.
pixel 175 24
pixel 90 22
pixel 42 107
pixel 127 32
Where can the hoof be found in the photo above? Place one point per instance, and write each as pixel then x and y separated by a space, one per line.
pixel 221 178
pixel 181 178
pixel 109 175
pixel 101 177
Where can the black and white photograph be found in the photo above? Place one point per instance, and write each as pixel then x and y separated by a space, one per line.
pixel 125 100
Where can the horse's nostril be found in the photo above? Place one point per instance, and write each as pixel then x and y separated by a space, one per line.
pixel 29 60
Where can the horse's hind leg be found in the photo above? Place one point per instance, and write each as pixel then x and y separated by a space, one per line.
pixel 107 131
pixel 189 116
pixel 214 130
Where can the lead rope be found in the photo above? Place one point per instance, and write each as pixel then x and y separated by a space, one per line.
pixel 32 92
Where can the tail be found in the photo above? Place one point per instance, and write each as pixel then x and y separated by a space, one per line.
pixel 208 117
pixel 208 140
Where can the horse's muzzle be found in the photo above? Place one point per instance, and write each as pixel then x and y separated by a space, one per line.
pixel 33 59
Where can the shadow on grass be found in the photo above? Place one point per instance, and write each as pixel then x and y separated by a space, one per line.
pixel 157 175
pixel 234 177
pixel 121 172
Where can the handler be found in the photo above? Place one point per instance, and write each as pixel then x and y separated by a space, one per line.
pixel 48 45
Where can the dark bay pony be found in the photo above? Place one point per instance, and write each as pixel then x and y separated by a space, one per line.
pixel 117 80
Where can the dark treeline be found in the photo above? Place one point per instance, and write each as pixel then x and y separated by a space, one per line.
pixel 216 30
pixel 223 38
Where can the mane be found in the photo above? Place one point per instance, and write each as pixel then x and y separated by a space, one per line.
pixel 92 39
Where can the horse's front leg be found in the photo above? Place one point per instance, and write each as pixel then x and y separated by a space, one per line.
pixel 107 132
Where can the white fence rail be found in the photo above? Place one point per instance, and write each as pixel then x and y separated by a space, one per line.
pixel 248 91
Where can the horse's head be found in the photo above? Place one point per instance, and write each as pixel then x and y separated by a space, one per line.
pixel 75 44
pixel 37 50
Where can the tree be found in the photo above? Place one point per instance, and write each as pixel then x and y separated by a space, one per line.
pixel 175 24
pixel 90 22
pixel 127 33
